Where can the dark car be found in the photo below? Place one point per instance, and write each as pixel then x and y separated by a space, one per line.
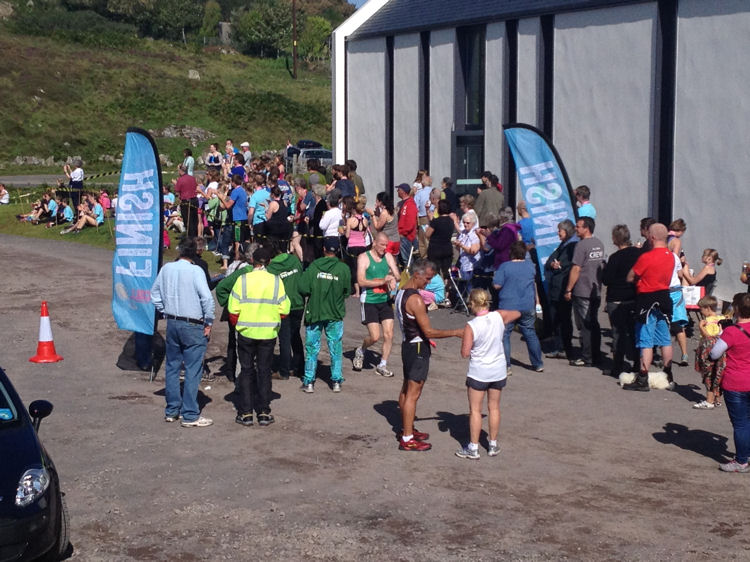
pixel 308 144
pixel 292 151
pixel 33 515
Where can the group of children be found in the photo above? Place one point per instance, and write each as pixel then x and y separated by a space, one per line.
pixel 55 209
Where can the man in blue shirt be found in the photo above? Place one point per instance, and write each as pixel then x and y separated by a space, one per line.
pixel 236 203
pixel 514 280
pixel 585 208
pixel 181 293
pixel 422 199
pixel 258 204
pixel 343 183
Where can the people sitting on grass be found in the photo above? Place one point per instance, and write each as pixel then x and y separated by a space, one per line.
pixel 42 210
pixel 90 213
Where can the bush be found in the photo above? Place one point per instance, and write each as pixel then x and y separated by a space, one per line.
pixel 85 27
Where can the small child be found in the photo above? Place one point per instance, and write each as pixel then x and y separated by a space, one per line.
pixel 711 371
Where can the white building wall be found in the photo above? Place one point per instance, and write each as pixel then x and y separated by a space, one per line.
pixel 442 71
pixel 603 109
pixel 712 115
pixel 338 73
pixel 494 99
pixel 366 97
pixel 406 110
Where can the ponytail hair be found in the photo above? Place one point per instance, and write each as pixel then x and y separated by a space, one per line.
pixel 714 255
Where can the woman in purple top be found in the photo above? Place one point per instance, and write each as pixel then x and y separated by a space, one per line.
pixel 501 239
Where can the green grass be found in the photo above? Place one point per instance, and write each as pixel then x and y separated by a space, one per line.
pixel 55 92
pixel 103 237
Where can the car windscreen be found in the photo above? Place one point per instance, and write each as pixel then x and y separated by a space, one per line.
pixel 8 412
pixel 317 154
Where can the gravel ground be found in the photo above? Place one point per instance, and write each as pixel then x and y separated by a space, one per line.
pixel 586 472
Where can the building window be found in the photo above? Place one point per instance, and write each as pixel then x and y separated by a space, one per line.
pixel 471 49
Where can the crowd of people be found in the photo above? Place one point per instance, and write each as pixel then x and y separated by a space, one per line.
pixel 294 249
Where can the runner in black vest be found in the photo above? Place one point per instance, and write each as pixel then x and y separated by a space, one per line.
pixel 415 351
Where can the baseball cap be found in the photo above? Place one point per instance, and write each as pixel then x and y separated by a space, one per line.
pixel 245 144
pixel 404 187
pixel 331 245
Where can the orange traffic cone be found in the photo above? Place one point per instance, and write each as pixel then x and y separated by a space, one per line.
pixel 45 350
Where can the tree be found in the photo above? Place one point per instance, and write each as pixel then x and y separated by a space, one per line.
pixel 313 42
pixel 211 19
pixel 265 30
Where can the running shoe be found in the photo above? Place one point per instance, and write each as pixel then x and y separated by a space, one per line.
pixel 413 445
pixel 336 387
pixel 308 388
pixel 244 419
pixel 265 419
pixel 383 371
pixel 466 453
pixel 199 422
pixel 415 434
pixel 734 466
pixel 493 450
pixel 359 359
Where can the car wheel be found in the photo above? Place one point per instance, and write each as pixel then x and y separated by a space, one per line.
pixel 60 549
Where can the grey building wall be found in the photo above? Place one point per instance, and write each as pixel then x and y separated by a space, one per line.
pixel 603 107
pixel 442 57
pixel 529 45
pixel 366 80
pixel 712 114
pixel 495 104
pixel 406 107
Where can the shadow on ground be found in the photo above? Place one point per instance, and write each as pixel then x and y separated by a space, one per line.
pixel 698 441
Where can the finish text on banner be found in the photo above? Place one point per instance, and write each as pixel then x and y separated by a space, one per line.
pixel 544 186
pixel 137 235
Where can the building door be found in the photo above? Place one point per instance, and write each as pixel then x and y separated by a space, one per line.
pixel 468 161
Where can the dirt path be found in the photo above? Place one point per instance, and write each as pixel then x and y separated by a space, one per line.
pixel 587 471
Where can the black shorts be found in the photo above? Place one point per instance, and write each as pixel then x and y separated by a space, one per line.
pixel 482 386
pixel 240 231
pixel 416 360
pixel 375 313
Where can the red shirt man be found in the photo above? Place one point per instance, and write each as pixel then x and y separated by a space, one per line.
pixel 407 215
pixel 653 270
pixel 186 186
pixel 652 274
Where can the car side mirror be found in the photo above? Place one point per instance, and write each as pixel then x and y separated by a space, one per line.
pixel 39 409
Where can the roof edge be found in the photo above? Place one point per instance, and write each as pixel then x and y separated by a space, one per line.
pixel 338 68
pixel 582 5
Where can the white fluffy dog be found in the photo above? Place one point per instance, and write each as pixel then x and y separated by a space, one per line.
pixel 656 380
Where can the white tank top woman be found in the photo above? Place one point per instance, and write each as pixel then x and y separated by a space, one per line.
pixel 487 360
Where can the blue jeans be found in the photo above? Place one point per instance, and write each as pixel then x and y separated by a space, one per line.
pixel 405 249
pixel 334 330
pixel 526 325
pixel 225 241
pixel 738 408
pixel 185 344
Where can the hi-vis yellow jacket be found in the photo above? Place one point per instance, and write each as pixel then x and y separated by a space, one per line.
pixel 258 297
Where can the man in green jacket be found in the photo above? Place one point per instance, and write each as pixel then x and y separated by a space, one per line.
pixel 326 284
pixel 291 352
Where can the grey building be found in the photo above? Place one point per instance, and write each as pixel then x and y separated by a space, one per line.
pixel 646 102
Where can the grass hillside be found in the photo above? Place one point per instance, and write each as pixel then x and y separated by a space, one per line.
pixel 53 92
